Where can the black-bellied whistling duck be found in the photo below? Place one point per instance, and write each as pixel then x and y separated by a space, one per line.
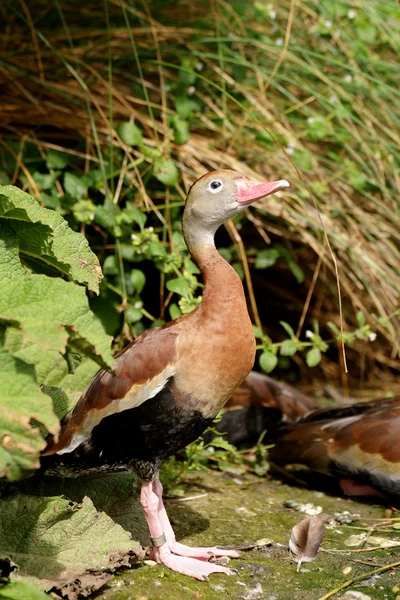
pixel 170 383
pixel 359 443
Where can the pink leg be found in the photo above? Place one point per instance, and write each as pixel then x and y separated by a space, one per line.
pixel 162 554
pixel 181 549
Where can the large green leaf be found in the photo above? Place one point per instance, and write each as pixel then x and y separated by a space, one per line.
pixel 50 310
pixel 19 590
pixel 23 407
pixel 44 236
pixel 44 315
pixel 55 542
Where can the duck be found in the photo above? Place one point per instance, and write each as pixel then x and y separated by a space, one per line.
pixel 358 444
pixel 168 385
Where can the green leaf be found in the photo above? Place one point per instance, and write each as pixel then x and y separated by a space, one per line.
pixel 133 315
pixel 105 307
pixel 287 328
pixel 313 357
pixel 57 160
pixel 296 270
pixel 181 127
pixel 76 382
pixel 220 442
pixel 21 401
pixel 360 318
pixel 62 542
pixel 110 265
pixel 51 201
pixel 185 106
pixel 174 311
pixel 179 286
pixel 257 332
pixel 106 216
pixel 266 258
pixel 156 250
pixel 190 266
pixel 165 170
pixel 50 311
pixel 62 402
pixel 45 181
pixel 83 211
pixel 50 366
pixel 130 134
pixel 74 186
pixel 138 279
pixel 268 361
pixel 133 215
pixel 289 347
pixel 19 590
pixel 45 236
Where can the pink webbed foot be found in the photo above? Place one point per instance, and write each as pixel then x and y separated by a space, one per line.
pixel 201 553
pixel 167 551
pixel 198 569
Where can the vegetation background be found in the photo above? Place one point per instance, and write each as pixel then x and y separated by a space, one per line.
pixel 110 110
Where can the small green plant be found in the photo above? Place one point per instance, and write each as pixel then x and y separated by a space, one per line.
pixel 314 348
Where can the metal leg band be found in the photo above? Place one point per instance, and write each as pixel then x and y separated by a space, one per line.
pixel 158 541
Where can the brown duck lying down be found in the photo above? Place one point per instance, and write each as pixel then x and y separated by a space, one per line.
pixel 358 443
pixel 172 381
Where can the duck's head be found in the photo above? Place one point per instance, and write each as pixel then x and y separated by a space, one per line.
pixel 217 197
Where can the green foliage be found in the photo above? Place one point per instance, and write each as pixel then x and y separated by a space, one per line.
pixel 130 134
pixel 314 348
pixel 59 541
pixel 42 316
pixel 43 236
pixel 22 401
pixel 19 590
pixel 200 456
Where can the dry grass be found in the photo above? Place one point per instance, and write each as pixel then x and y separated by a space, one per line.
pixel 329 106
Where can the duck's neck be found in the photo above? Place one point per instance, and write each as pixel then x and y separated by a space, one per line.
pixel 223 290
pixel 222 285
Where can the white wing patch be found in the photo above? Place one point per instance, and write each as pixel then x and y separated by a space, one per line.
pixel 137 395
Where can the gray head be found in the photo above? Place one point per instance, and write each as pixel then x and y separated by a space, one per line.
pixel 217 197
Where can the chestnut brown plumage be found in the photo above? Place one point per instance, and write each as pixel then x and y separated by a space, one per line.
pixel 170 383
pixel 357 443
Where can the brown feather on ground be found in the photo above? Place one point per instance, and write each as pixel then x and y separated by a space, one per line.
pixel 306 539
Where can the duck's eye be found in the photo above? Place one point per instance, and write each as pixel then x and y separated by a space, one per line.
pixel 215 186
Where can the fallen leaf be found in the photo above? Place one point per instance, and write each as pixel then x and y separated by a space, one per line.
pixel 306 539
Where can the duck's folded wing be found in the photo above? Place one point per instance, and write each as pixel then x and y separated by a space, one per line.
pixel 141 371
pixel 362 442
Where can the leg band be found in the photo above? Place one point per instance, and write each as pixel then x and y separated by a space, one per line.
pixel 158 541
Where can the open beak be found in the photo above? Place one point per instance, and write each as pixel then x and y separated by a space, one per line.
pixel 250 191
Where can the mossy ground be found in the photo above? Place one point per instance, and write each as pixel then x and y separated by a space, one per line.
pixel 240 512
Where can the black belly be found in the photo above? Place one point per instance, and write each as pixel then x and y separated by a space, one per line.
pixel 138 439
